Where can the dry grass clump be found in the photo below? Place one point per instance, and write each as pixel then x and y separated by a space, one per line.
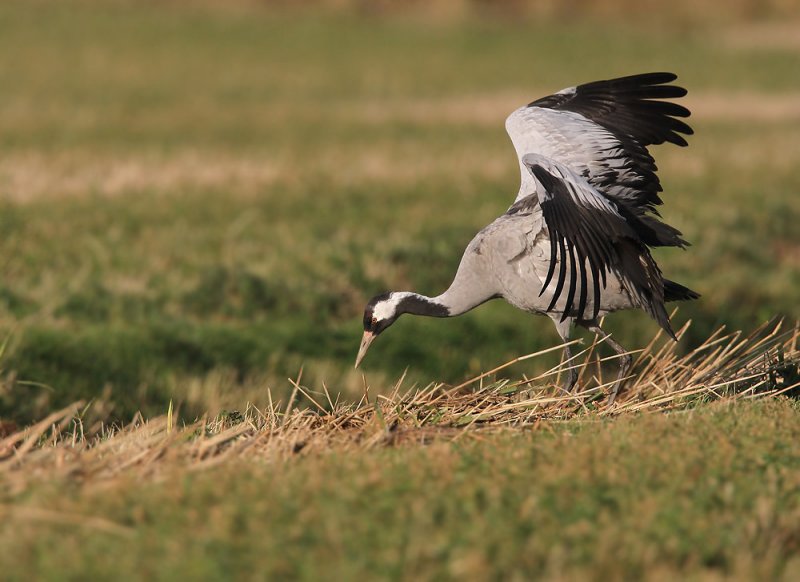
pixel 764 363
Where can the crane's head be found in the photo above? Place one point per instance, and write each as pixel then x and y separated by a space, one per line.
pixel 381 312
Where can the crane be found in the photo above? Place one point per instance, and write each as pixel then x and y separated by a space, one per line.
pixel 575 244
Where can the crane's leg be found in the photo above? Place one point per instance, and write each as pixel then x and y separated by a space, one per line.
pixel 625 359
pixel 564 329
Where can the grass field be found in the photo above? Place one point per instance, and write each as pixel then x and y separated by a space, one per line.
pixel 710 494
pixel 197 201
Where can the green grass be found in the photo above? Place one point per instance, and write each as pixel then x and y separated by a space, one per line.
pixel 190 192
pixel 709 494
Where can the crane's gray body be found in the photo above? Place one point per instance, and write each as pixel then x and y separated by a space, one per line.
pixel 509 258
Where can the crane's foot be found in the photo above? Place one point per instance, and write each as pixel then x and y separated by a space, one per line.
pixel 625 362
pixel 613 396
pixel 625 359
pixel 563 327
pixel 569 382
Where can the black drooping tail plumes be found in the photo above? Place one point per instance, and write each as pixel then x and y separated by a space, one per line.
pixel 676 292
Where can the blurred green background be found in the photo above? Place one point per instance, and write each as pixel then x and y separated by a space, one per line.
pixel 197 198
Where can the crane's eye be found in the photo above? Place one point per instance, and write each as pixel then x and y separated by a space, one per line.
pixel 374 321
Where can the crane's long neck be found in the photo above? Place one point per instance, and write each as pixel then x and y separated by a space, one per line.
pixel 471 286
pixel 455 301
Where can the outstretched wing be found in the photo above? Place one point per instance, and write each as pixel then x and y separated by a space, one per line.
pixel 587 230
pixel 601 131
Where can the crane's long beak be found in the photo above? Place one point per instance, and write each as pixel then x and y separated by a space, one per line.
pixel 365 341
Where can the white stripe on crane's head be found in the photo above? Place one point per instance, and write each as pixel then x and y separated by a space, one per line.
pixel 387 308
